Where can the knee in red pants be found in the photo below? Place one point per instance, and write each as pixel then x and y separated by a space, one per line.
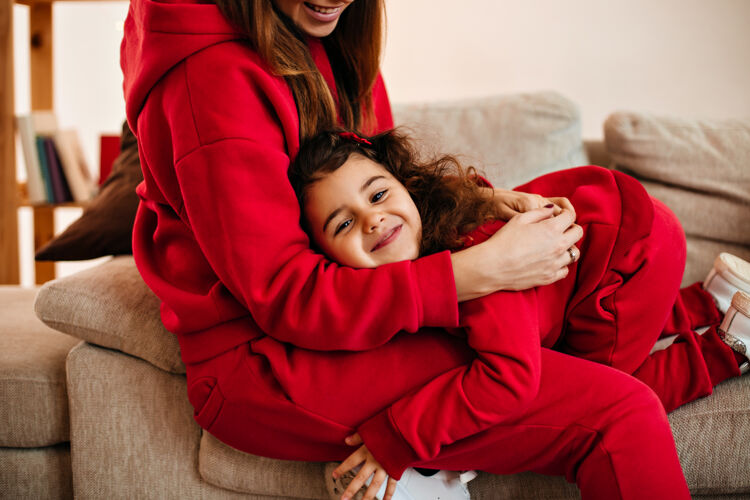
pixel 597 426
pixel 633 453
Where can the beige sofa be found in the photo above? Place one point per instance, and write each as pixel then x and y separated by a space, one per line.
pixel 119 398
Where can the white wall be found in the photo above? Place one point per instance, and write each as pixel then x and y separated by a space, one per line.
pixel 683 57
pixel 677 57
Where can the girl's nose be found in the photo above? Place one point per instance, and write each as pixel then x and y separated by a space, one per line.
pixel 373 221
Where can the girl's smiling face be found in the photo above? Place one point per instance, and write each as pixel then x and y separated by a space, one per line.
pixel 361 216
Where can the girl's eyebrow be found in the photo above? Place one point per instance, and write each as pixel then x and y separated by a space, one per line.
pixel 370 181
pixel 330 217
pixel 364 186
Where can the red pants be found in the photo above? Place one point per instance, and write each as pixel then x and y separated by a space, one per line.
pixel 598 426
pixel 625 290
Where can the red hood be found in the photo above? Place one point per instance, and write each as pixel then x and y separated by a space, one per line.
pixel 158 35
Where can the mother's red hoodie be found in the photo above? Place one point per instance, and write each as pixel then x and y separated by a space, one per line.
pixel 217 236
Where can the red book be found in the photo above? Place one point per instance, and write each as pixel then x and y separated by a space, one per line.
pixel 109 148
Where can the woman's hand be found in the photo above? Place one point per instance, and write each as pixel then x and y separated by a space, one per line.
pixel 369 467
pixel 534 248
pixel 512 203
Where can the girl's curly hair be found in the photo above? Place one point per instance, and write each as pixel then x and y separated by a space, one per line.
pixel 449 200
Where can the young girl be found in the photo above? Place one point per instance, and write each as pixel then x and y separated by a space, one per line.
pixel 368 202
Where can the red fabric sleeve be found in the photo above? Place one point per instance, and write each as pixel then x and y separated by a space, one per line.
pixel 503 329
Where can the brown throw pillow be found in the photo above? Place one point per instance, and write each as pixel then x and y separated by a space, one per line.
pixel 106 225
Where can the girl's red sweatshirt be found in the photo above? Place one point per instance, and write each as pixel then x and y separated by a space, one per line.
pixel 217 234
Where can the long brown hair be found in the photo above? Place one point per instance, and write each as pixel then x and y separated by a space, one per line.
pixel 447 196
pixel 353 48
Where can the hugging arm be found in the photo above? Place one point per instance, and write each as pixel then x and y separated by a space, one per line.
pixel 255 245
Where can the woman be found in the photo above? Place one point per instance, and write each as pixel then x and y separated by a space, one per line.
pixel 219 98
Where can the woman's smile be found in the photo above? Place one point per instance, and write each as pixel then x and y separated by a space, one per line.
pixel 317 19
pixel 322 14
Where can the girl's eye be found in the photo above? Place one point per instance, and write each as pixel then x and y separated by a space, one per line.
pixel 377 196
pixel 342 226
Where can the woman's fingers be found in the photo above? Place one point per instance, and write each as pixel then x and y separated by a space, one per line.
pixel 573 234
pixel 570 236
pixel 570 256
pixel 530 250
pixel 563 203
pixel 537 215
pixel 563 220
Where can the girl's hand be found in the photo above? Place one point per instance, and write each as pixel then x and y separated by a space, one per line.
pixel 534 248
pixel 512 203
pixel 369 467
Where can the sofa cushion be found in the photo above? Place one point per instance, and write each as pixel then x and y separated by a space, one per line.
pixel 132 431
pixel 713 439
pixel 38 473
pixel 111 306
pixel 222 465
pixel 33 396
pixel 701 155
pixel 699 168
pixel 511 139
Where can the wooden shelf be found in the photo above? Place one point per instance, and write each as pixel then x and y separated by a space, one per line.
pixel 32 2
pixel 40 43
pixel 67 204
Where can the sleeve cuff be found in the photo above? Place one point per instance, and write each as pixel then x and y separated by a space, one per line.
pixel 384 441
pixel 437 290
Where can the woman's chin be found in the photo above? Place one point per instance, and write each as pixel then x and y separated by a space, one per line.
pixel 317 30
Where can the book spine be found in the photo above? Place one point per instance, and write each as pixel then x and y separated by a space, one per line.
pixel 74 166
pixel 44 168
pixel 59 183
pixel 34 180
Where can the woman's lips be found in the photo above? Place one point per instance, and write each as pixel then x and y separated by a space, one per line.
pixel 388 238
pixel 322 14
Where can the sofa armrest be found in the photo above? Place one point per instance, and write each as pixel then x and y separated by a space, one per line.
pixel 110 306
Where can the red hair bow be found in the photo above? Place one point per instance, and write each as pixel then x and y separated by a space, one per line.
pixel 354 137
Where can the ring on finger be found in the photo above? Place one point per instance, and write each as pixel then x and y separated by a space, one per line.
pixel 573 252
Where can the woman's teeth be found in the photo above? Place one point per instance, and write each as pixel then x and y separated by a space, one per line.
pixel 323 10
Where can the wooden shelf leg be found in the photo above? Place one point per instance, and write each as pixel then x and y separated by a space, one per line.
pixel 40 26
pixel 42 97
pixel 9 266
pixel 44 231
